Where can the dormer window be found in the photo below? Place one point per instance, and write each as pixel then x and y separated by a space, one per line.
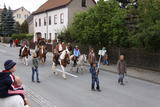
pixel 83 3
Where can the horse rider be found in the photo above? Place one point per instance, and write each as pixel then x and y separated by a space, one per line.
pixel 76 54
pixel 60 47
pixel 69 47
pixel 24 45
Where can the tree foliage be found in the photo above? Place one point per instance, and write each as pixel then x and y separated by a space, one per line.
pixel 106 24
pixel 7 22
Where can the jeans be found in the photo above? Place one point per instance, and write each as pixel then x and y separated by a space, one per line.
pixel 105 62
pixel 35 70
pixel 121 77
pixel 95 80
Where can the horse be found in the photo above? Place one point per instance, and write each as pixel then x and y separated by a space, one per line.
pixel 56 55
pixel 64 59
pixel 24 55
pixel 80 63
pixel 42 54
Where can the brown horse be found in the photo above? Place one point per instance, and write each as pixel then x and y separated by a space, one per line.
pixel 25 54
pixel 42 54
pixel 64 59
pixel 56 55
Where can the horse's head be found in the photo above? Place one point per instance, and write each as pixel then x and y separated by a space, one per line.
pixel 67 57
pixel 25 51
pixel 83 58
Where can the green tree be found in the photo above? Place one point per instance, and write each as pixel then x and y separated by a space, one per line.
pixel 24 27
pixel 7 22
pixel 148 33
pixel 17 28
pixel 101 25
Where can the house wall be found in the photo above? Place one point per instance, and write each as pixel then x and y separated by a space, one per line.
pixel 76 6
pixel 52 29
pixel 21 15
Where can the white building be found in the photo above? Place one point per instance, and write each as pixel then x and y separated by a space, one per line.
pixel 21 14
pixel 55 15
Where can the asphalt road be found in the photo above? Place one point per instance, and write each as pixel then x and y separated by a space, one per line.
pixel 54 91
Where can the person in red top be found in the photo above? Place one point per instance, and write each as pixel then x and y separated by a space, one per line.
pixel 16 42
pixel 11 85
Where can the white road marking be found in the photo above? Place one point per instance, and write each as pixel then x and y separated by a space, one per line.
pixel 38 99
pixel 67 73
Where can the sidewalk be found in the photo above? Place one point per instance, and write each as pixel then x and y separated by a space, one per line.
pixel 142 74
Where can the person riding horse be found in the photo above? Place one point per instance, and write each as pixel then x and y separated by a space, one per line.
pixel 60 47
pixel 76 54
pixel 41 42
pixel 23 46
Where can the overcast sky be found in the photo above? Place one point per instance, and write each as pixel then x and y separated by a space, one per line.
pixel 30 5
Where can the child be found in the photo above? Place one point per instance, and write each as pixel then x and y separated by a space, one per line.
pixel 105 60
pixel 95 72
pixel 10 84
pixel 121 68
pixel 35 67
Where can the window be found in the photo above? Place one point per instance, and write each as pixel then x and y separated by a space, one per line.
pixel 55 19
pixel 35 23
pixel 83 3
pixel 61 18
pixel 19 15
pixel 39 22
pixel 56 36
pixel 50 22
pixel 25 16
pixel 50 36
pixel 45 22
pixel 45 35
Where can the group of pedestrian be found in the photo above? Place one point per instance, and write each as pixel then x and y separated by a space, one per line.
pixel 94 70
pixel 14 43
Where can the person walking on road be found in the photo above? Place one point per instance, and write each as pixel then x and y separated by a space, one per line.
pixel 94 74
pixel 105 59
pixel 11 43
pixel 35 68
pixel 91 57
pixel 122 69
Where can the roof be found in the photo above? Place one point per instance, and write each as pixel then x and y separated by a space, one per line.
pixel 52 4
pixel 20 8
pixel 1 10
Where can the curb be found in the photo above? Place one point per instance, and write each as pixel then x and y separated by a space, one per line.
pixel 103 69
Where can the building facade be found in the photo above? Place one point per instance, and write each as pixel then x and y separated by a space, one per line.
pixel 54 16
pixel 21 14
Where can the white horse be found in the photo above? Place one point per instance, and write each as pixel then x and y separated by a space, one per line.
pixel 13 101
pixel 80 63
pixel 63 60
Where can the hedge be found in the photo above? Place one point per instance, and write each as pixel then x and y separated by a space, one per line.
pixel 22 36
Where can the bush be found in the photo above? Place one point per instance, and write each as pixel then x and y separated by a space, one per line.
pixel 22 36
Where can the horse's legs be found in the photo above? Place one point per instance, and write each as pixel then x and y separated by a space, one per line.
pixel 26 61
pixel 54 68
pixel 63 72
pixel 77 69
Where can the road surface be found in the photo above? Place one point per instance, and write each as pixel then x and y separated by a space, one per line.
pixel 54 91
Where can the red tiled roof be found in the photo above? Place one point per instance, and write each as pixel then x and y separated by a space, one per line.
pixel 52 4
